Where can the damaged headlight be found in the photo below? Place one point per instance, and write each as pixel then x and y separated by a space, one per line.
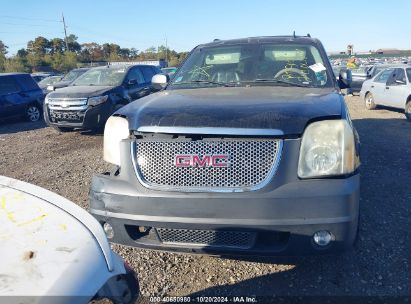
pixel 115 131
pixel 327 149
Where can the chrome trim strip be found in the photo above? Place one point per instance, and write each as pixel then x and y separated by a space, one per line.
pixel 236 222
pixel 67 99
pixel 211 131
pixel 265 182
pixel 70 108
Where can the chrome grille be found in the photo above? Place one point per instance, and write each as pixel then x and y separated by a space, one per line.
pixel 252 163
pixel 77 104
pixel 236 239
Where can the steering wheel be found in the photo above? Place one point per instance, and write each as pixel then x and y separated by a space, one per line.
pixel 299 72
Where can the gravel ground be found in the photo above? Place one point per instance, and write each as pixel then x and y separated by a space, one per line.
pixel 378 265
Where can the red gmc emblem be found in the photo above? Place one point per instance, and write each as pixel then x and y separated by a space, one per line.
pixel 198 161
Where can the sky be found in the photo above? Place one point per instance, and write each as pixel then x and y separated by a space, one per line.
pixel 367 24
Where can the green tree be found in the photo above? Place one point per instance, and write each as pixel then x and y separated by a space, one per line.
pixel 91 52
pixel 15 64
pixel 149 54
pixel 58 62
pixel 57 46
pixel 22 53
pixel 69 61
pixel 3 48
pixel 124 53
pixel 3 52
pixel 114 52
pixel 40 46
pixel 53 53
pixel 106 50
pixel 133 53
pixel 34 61
pixel 73 45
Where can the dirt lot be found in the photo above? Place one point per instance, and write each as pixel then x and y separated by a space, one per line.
pixel 378 265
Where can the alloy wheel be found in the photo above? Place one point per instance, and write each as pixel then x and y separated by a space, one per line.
pixel 33 113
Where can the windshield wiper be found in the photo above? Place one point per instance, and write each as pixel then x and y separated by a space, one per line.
pixel 225 84
pixel 280 81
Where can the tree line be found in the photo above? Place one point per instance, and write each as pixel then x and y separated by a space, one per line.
pixel 63 55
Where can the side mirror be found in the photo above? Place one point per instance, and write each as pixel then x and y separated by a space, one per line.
pixel 132 82
pixel 159 82
pixel 345 78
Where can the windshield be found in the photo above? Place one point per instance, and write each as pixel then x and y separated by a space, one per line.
pixel 101 77
pixel 70 76
pixel 249 64
pixel 49 80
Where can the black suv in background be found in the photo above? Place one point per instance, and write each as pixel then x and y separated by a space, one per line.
pixel 89 101
pixel 20 96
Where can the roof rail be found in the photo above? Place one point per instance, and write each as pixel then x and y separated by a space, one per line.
pixel 295 36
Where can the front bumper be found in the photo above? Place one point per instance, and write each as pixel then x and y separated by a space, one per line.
pixel 282 221
pixel 91 118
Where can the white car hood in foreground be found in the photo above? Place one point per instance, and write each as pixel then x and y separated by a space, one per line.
pixel 50 246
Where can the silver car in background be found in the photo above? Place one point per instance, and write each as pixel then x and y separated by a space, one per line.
pixel 391 87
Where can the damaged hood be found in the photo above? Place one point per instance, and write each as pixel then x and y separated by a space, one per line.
pixel 288 109
pixel 80 91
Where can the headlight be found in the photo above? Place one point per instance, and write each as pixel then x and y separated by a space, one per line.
pixel 327 149
pixel 115 131
pixel 93 101
pixel 46 100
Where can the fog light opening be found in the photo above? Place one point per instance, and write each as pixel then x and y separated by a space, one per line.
pixel 323 238
pixel 108 229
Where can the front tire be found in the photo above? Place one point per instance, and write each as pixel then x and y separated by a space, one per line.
pixel 408 110
pixel 33 113
pixel 369 102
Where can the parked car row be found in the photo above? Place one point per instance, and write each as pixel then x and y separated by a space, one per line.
pixel 390 87
pixel 84 98
pixel 385 84
pixel 363 73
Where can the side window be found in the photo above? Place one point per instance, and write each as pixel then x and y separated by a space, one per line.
pixel 156 70
pixel 148 73
pixel 400 77
pixel 409 75
pixel 8 85
pixel 27 82
pixel 384 75
pixel 136 74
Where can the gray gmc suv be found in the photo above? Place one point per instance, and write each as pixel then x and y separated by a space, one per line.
pixel 249 150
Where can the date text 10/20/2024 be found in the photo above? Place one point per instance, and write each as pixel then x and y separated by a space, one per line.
pixel 170 299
